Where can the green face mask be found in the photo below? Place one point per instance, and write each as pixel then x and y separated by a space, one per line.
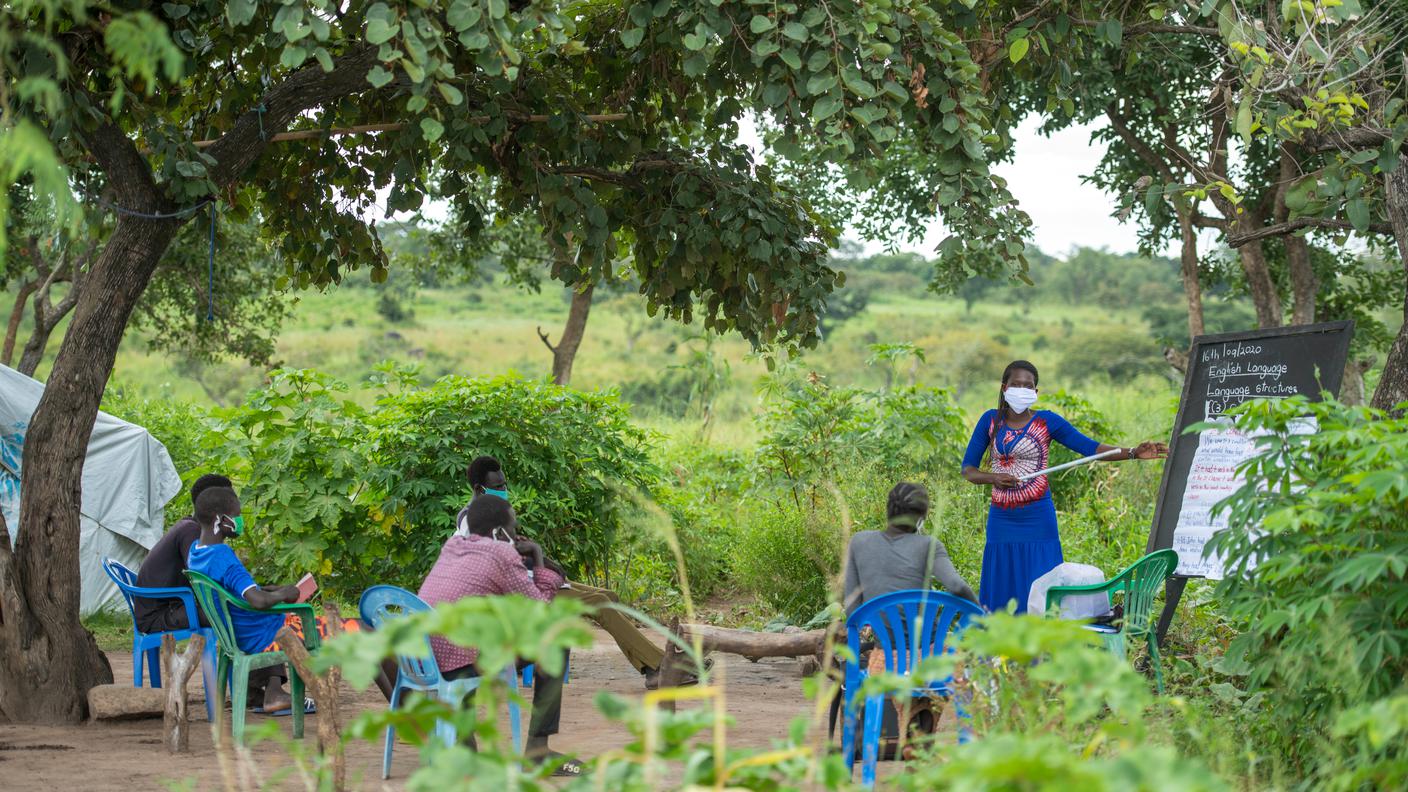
pixel 503 493
pixel 234 526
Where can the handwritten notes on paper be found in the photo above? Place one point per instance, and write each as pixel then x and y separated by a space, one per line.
pixel 1211 478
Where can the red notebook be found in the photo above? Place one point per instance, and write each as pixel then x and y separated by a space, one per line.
pixel 306 587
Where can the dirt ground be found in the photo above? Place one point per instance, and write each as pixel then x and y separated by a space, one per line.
pixel 761 697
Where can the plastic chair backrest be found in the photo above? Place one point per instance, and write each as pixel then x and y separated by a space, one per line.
pixel 381 603
pixel 215 601
pixel 910 625
pixel 1141 584
pixel 126 580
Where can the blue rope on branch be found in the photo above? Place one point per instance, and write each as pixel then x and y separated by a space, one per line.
pixel 210 270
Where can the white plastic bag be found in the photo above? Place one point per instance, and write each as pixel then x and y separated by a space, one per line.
pixel 1083 606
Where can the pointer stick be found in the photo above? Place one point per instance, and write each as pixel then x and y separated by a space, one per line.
pixel 1081 461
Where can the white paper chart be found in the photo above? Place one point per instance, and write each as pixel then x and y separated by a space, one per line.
pixel 1212 477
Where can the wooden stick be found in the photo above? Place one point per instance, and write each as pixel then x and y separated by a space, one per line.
pixel 323 687
pixel 177 668
pixel 310 134
pixel 671 671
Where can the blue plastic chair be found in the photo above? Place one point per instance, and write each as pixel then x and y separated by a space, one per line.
pixel 908 627
pixel 529 669
pixel 148 645
pixel 381 603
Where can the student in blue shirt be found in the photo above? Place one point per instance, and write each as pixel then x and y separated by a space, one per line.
pixel 218 513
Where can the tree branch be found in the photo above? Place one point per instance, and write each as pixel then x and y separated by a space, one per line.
pixel 307 88
pixel 546 343
pixel 1279 229
pixel 1151 27
pixel 1141 149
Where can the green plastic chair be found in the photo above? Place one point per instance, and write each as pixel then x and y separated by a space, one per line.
pixel 216 602
pixel 1140 583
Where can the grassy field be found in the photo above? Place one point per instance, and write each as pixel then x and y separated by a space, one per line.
pixel 493 329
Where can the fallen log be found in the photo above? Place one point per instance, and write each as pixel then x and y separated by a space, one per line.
pixel 176 670
pixel 755 645
pixel 124 702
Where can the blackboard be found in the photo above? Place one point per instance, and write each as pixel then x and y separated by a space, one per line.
pixel 1224 371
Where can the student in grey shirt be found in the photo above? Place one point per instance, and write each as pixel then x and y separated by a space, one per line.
pixel 900 557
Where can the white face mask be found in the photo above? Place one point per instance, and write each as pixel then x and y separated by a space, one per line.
pixel 500 535
pixel 1019 399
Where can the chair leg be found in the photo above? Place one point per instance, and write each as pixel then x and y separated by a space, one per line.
pixel 1156 662
pixel 296 691
pixel 848 729
pixel 154 666
pixel 390 734
pixel 239 700
pixel 870 743
pixel 515 716
pixel 137 663
pixel 222 671
pixel 210 676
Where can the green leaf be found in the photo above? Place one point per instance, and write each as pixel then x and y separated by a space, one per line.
pixel 463 14
pixel 760 24
pixel 1018 50
pixel 821 83
pixel 450 93
pixel 431 129
pixel 693 41
pixel 474 39
pixel 240 12
pixel 1114 31
pixel 378 76
pixel 1358 211
pixel 826 107
pixel 632 37
pixel 324 59
pixel 795 31
pixel 1244 119
pixel 791 57
pixel 381 26
pixel 497 8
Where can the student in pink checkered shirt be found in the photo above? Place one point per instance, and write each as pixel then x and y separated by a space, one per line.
pixel 490 560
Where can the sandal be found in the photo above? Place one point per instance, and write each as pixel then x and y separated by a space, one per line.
pixel 567 767
pixel 309 707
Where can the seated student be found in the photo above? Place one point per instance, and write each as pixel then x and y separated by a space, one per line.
pixel 218 513
pixel 165 567
pixel 490 560
pixel 486 476
pixel 899 557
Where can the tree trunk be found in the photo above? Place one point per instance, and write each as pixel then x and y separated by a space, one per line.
pixel 1352 385
pixel 1393 385
pixel 1263 290
pixel 48 661
pixel 38 342
pixel 12 331
pixel 1192 289
pixel 1304 285
pixel 565 353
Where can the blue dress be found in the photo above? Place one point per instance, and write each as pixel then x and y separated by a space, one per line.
pixel 1022 540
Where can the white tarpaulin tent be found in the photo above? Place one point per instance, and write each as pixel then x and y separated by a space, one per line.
pixel 127 480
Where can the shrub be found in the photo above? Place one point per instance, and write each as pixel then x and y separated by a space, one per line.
pixel 1323 620
pixel 571 458
pixel 295 451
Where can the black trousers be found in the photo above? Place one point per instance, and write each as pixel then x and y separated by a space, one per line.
pixel 172 616
pixel 547 696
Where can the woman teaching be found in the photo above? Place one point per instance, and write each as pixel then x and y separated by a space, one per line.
pixel 1022 540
